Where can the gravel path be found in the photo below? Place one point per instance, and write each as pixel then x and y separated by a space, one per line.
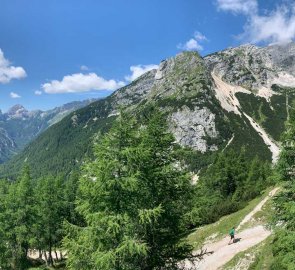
pixel 223 253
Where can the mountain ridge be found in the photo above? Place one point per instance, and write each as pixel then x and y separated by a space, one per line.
pixel 19 126
pixel 249 112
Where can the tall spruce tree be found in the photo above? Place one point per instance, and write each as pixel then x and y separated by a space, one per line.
pixel 49 227
pixel 20 217
pixel 286 164
pixel 284 242
pixel 4 249
pixel 133 198
pixel 165 195
pixel 107 188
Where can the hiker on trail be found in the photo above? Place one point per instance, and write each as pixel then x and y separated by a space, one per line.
pixel 232 235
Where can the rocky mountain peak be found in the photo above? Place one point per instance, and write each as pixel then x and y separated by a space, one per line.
pixel 255 68
pixel 17 111
pixel 182 75
pixel 18 126
pixel 283 56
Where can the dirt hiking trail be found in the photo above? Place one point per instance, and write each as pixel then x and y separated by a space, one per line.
pixel 223 253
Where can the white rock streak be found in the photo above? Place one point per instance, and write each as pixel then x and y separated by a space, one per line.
pixel 285 79
pixel 225 93
pixel 266 93
pixel 229 142
pixel 273 147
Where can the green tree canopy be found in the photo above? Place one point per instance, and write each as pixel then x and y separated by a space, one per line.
pixel 133 198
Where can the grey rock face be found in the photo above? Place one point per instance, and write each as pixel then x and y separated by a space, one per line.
pixel 246 66
pixel 183 78
pixel 136 91
pixel 282 56
pixel 191 127
pixel 17 112
pixel 7 145
pixel 253 67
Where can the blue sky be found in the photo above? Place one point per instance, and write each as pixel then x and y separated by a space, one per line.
pixel 57 51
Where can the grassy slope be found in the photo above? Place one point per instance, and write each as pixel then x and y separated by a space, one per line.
pixel 220 228
pixel 258 257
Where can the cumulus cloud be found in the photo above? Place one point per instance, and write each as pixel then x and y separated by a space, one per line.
pixel 80 83
pixel 194 43
pixel 137 71
pixel 9 72
pixel 14 95
pixel 276 27
pixel 273 26
pixel 38 93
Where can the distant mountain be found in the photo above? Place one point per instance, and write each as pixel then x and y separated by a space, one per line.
pixel 19 126
pixel 235 98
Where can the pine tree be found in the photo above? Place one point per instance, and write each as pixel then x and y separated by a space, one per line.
pixel 4 251
pixel 165 195
pixel 70 196
pixel 284 242
pixel 20 217
pixel 132 197
pixel 25 210
pixel 106 190
pixel 50 215
pixel 286 164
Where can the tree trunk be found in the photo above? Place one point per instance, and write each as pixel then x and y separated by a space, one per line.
pixel 50 260
pixel 56 257
pixel 45 255
pixel 50 250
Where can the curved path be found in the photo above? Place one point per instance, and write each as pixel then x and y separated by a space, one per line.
pixel 223 253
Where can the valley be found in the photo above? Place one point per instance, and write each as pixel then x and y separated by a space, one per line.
pixel 18 126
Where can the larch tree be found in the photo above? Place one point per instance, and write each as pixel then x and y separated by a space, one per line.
pixel 133 197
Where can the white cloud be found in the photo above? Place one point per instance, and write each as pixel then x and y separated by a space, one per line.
pixel 274 26
pixel 137 71
pixel 14 95
pixel 193 43
pixel 38 93
pixel 9 72
pixel 80 83
pixel 84 68
pixel 238 6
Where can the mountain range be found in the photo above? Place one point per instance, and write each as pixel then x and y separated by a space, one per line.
pixel 232 99
pixel 19 126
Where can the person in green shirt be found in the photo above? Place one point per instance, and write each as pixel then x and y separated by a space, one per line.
pixel 232 235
